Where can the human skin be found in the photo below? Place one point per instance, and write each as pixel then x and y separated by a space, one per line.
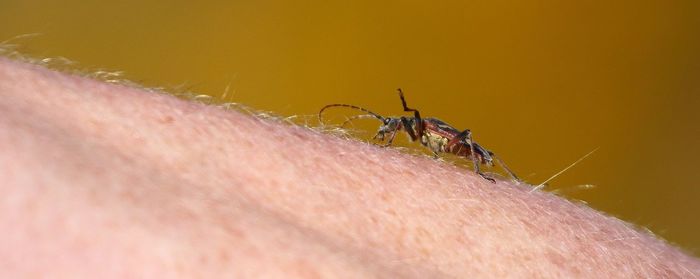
pixel 105 180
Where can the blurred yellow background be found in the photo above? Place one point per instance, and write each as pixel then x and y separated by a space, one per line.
pixel 541 83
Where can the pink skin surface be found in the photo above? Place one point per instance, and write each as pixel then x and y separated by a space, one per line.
pixel 103 180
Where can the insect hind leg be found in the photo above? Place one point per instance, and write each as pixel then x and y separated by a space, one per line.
pixel 505 167
pixel 465 137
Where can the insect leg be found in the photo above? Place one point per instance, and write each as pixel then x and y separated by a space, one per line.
pixel 409 130
pixel 503 165
pixel 391 138
pixel 467 136
pixel 416 114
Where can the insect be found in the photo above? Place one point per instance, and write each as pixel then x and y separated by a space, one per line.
pixel 433 133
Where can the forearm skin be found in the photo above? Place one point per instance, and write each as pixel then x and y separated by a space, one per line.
pixel 103 180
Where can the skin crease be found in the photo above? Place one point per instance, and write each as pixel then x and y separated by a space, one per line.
pixel 104 180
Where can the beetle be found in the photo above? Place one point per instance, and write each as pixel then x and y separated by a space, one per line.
pixel 432 133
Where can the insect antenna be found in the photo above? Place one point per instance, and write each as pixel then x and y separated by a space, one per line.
pixel 370 113
pixel 353 118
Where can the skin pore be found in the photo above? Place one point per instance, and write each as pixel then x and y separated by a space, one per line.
pixel 105 180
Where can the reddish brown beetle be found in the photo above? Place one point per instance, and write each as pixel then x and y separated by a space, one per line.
pixel 433 133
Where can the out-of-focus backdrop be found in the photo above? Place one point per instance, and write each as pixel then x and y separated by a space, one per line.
pixel 539 82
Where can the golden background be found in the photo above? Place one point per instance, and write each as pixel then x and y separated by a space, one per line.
pixel 541 83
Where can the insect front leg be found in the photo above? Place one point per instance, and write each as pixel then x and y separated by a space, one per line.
pixel 390 126
pixel 391 138
pixel 467 136
pixel 416 115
